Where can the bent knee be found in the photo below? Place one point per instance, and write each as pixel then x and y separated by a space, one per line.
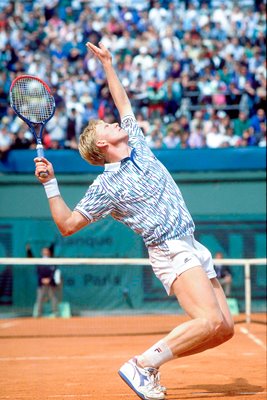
pixel 220 328
pixel 225 332
pixel 228 332
pixel 210 326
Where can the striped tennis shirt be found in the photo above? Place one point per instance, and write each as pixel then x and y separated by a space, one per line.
pixel 139 192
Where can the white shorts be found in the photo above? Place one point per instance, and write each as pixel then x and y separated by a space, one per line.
pixel 177 256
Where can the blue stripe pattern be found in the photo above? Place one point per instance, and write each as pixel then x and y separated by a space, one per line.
pixel 139 192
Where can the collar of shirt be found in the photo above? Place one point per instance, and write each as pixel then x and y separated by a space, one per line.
pixel 114 167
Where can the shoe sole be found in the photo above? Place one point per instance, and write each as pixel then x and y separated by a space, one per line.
pixel 126 380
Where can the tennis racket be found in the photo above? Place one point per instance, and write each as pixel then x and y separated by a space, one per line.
pixel 33 102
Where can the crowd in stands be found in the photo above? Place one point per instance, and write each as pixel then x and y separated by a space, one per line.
pixel 195 70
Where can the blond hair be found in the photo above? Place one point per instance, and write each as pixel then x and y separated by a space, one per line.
pixel 87 144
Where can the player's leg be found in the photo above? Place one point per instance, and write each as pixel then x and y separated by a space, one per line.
pixel 201 298
pixel 53 298
pixel 227 329
pixel 211 324
pixel 226 284
pixel 41 293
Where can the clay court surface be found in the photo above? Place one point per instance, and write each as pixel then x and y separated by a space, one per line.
pixel 78 358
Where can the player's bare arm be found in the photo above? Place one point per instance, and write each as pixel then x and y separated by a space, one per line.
pixel 67 221
pixel 117 91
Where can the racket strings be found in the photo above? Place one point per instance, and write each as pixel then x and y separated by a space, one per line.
pixel 32 100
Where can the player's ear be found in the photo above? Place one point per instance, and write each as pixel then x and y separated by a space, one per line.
pixel 101 143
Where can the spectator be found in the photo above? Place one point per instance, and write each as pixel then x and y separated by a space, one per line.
pixel 214 138
pixel 72 132
pixel 3 102
pixel 224 275
pixel 57 127
pixel 257 119
pixel 184 140
pixel 248 98
pixel 172 96
pixel 170 43
pixel 155 138
pixel 143 123
pixel 23 139
pixel 155 96
pixel 230 139
pixel 241 123
pixel 196 120
pixel 6 140
pixel 197 138
pixel 223 121
pixel 143 60
pixel 202 55
pixel 262 142
pixel 90 111
pixel 248 138
pixel 233 98
pixel 184 123
pixel 49 280
pixel 171 140
pixel 157 16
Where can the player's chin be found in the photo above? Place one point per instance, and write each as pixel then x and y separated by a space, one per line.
pixel 123 133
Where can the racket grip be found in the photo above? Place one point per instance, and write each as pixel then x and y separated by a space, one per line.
pixel 40 153
pixel 40 150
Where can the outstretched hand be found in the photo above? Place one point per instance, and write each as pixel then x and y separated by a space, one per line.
pixel 101 52
pixel 116 89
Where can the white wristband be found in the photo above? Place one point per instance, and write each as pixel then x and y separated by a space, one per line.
pixel 51 188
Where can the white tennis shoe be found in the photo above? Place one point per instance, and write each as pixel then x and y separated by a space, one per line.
pixel 143 381
pixel 157 382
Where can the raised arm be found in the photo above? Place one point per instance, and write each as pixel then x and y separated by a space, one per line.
pixel 116 89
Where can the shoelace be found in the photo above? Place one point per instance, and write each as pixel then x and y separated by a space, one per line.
pixel 157 381
pixel 154 378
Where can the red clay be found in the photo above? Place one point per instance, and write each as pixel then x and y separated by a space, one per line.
pixel 62 359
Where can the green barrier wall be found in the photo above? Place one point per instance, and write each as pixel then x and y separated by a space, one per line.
pixel 228 208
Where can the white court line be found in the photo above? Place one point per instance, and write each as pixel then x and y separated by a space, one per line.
pixel 119 395
pixel 254 338
pixel 222 394
pixel 6 325
pixel 258 393
pixel 74 396
pixel 67 396
pixel 51 358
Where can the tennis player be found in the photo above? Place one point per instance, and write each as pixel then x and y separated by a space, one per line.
pixel 137 190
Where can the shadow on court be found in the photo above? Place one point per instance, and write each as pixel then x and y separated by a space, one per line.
pixel 239 387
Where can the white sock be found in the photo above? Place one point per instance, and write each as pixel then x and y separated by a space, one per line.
pixel 157 355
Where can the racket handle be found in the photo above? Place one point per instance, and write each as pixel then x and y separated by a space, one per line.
pixel 40 150
pixel 40 153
